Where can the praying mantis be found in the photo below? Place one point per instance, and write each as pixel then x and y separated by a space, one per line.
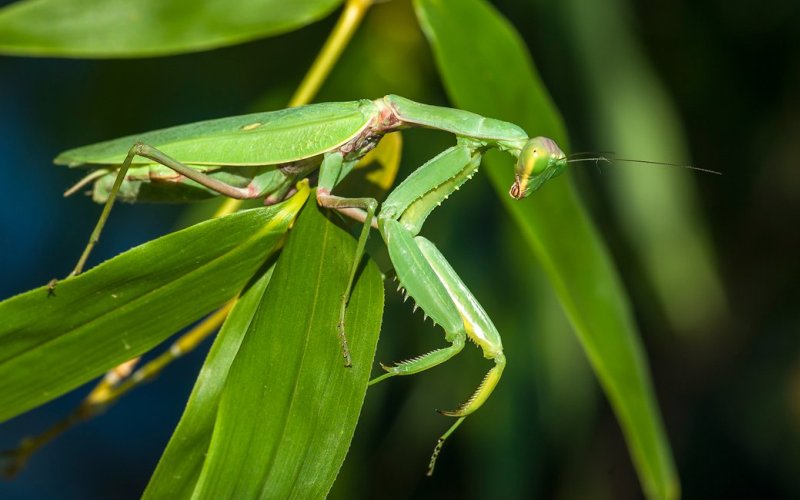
pixel 264 156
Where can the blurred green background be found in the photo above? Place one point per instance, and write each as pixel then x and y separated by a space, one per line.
pixel 710 263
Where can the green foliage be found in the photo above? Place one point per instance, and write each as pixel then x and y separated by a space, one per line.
pixel 554 223
pixel 180 465
pixel 128 305
pixel 102 28
pixel 284 410
pixel 273 402
pixel 638 118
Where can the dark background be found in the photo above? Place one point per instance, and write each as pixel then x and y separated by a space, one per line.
pixel 729 389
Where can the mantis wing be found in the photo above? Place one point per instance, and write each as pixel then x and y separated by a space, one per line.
pixel 268 138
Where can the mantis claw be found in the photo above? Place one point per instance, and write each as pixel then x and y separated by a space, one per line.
pixel 439 444
pixel 436 450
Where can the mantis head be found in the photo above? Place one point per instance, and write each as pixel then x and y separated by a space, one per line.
pixel 539 161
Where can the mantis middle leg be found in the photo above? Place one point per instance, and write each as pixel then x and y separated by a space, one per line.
pixel 331 172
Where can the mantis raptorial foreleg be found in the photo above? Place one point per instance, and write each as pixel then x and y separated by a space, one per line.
pixel 425 287
pixel 463 318
pixel 277 148
pixel 431 281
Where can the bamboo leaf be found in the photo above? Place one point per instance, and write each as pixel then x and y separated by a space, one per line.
pixel 112 28
pixel 127 305
pixel 486 68
pixel 180 465
pixel 289 407
pixel 658 207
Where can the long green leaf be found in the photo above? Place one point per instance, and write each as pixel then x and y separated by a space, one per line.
pixel 289 407
pixel 180 465
pixel 658 207
pixel 113 28
pixel 486 68
pixel 127 305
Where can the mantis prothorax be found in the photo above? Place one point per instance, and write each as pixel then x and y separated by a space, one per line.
pixel 263 155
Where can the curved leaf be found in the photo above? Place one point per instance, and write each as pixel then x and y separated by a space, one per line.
pixel 112 28
pixel 289 407
pixel 658 207
pixel 127 305
pixel 180 465
pixel 475 48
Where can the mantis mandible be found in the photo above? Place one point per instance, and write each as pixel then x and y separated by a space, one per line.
pixel 263 156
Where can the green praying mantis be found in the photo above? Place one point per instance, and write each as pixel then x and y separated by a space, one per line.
pixel 264 156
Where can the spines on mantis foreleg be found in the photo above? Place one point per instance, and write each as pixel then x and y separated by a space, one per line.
pixel 427 276
pixel 427 187
pixel 483 391
pixel 417 277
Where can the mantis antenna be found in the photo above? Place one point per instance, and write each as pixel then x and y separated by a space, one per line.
pixel 609 158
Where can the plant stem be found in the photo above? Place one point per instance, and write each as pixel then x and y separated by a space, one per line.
pixel 346 26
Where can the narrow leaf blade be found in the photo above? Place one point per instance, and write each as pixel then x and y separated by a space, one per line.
pixel 657 207
pixel 289 407
pixel 127 305
pixel 180 465
pixel 108 28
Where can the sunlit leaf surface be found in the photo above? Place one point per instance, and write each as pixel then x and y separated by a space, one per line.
pixel 180 465
pixel 129 304
pixel 289 407
pixel 112 28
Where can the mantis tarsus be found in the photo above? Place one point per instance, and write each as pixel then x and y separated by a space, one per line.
pixel 263 155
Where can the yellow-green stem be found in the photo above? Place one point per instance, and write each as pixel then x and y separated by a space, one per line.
pixel 110 389
pixel 347 24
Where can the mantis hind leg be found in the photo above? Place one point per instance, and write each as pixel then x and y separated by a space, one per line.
pixel 157 156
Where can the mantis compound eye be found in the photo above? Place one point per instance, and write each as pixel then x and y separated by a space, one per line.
pixel 539 161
